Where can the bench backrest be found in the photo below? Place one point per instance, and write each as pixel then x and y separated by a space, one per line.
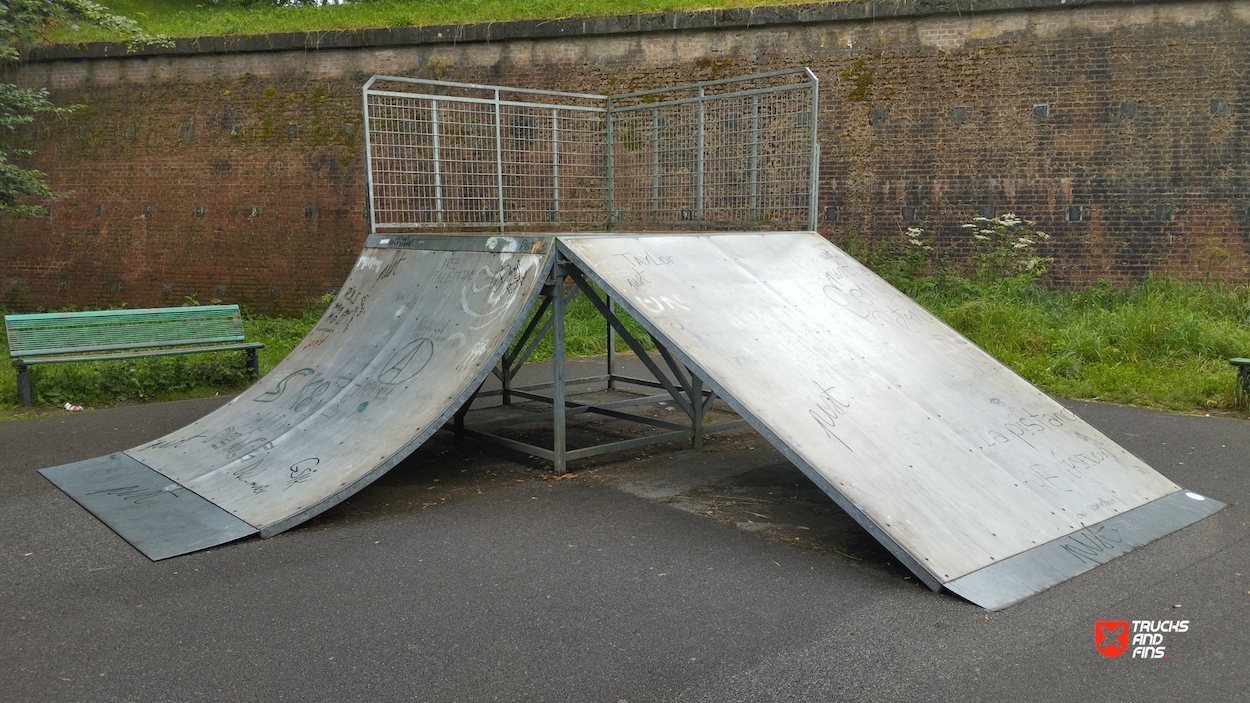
pixel 69 332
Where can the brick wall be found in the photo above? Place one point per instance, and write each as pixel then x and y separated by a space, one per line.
pixel 220 188
pixel 234 171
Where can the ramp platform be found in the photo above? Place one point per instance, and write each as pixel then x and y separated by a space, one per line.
pixel 415 329
pixel 973 478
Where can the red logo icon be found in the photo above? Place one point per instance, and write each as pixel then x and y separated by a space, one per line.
pixel 1111 637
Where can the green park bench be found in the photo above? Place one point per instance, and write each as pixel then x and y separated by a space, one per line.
pixel 1243 376
pixel 60 337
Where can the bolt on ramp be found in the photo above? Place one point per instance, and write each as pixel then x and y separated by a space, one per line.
pixel 413 332
pixel 972 477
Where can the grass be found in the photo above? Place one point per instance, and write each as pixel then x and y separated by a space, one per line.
pixel 1161 344
pixel 178 18
pixel 200 375
pixel 585 332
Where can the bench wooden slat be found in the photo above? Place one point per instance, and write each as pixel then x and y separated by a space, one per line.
pixel 70 333
pixel 138 354
pixel 170 341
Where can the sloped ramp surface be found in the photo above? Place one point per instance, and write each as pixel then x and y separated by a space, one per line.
pixel 975 479
pixel 413 332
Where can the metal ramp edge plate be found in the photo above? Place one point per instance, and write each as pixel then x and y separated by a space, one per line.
pixel 946 456
pixel 413 332
pixel 1010 581
pixel 159 517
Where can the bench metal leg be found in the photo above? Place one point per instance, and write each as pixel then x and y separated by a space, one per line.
pixel 253 363
pixel 23 386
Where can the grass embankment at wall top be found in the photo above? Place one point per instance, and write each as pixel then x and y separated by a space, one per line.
pixel 176 18
pixel 1159 344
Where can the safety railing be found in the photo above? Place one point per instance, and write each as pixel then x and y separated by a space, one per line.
pixel 733 153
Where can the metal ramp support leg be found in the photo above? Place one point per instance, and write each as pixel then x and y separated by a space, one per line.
pixel 611 348
pixel 523 347
pixel 559 427
pixel 458 418
pixel 696 400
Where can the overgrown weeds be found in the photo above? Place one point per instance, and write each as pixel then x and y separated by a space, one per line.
pixel 1161 342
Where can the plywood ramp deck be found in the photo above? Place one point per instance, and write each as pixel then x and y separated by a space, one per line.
pixel 970 475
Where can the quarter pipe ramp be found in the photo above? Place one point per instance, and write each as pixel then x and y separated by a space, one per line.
pixel 415 329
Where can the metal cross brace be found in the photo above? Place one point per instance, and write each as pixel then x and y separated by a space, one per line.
pixel 684 389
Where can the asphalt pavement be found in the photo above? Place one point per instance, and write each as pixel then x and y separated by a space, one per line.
pixel 464 576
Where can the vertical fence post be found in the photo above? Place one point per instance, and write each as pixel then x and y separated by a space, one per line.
pixel 370 200
pixel 755 157
pixel 499 157
pixel 655 161
pixel 555 163
pixel 438 178
pixel 814 173
pixel 698 175
pixel 607 122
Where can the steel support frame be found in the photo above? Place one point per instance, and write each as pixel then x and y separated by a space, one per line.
pixel 686 390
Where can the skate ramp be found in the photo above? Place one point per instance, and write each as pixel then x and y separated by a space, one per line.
pixel 973 478
pixel 411 335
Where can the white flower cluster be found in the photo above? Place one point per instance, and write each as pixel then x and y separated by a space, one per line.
pixel 983 229
pixel 914 235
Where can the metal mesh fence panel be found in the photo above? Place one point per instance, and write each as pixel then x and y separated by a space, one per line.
pixel 736 153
